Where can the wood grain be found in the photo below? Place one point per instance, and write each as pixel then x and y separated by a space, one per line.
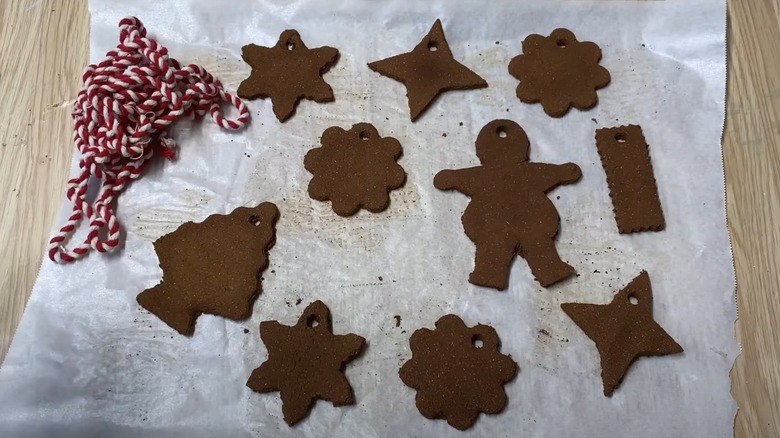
pixel 43 50
pixel 752 159
pixel 44 46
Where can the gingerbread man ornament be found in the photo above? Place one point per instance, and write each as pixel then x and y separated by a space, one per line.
pixel 509 213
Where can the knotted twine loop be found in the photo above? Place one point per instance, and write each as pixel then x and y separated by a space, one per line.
pixel 120 119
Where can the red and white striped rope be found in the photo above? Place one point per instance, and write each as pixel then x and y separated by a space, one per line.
pixel 120 119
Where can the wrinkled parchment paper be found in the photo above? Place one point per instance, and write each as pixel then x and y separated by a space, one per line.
pixel 87 361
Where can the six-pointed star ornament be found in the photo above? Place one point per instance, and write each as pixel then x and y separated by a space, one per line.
pixel 428 70
pixel 623 330
pixel 306 362
pixel 287 72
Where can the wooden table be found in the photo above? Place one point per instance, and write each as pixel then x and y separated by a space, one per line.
pixel 44 46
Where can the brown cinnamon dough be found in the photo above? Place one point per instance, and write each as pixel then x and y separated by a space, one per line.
pixel 287 72
pixel 458 371
pixel 559 71
pixel 509 213
pixel 306 362
pixel 428 70
pixel 626 161
pixel 623 330
pixel 355 169
pixel 212 267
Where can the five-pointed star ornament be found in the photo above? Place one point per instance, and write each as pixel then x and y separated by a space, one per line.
pixel 623 330
pixel 306 362
pixel 428 70
pixel 287 72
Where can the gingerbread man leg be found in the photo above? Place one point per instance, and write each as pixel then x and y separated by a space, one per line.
pixel 545 263
pixel 491 265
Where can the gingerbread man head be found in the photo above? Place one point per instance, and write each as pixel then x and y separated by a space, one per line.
pixel 502 141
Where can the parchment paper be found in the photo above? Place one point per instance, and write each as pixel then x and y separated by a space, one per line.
pixel 87 361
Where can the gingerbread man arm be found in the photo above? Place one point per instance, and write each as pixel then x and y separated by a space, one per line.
pixel 551 176
pixel 462 180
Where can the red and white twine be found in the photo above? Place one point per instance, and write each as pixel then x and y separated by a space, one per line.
pixel 120 119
